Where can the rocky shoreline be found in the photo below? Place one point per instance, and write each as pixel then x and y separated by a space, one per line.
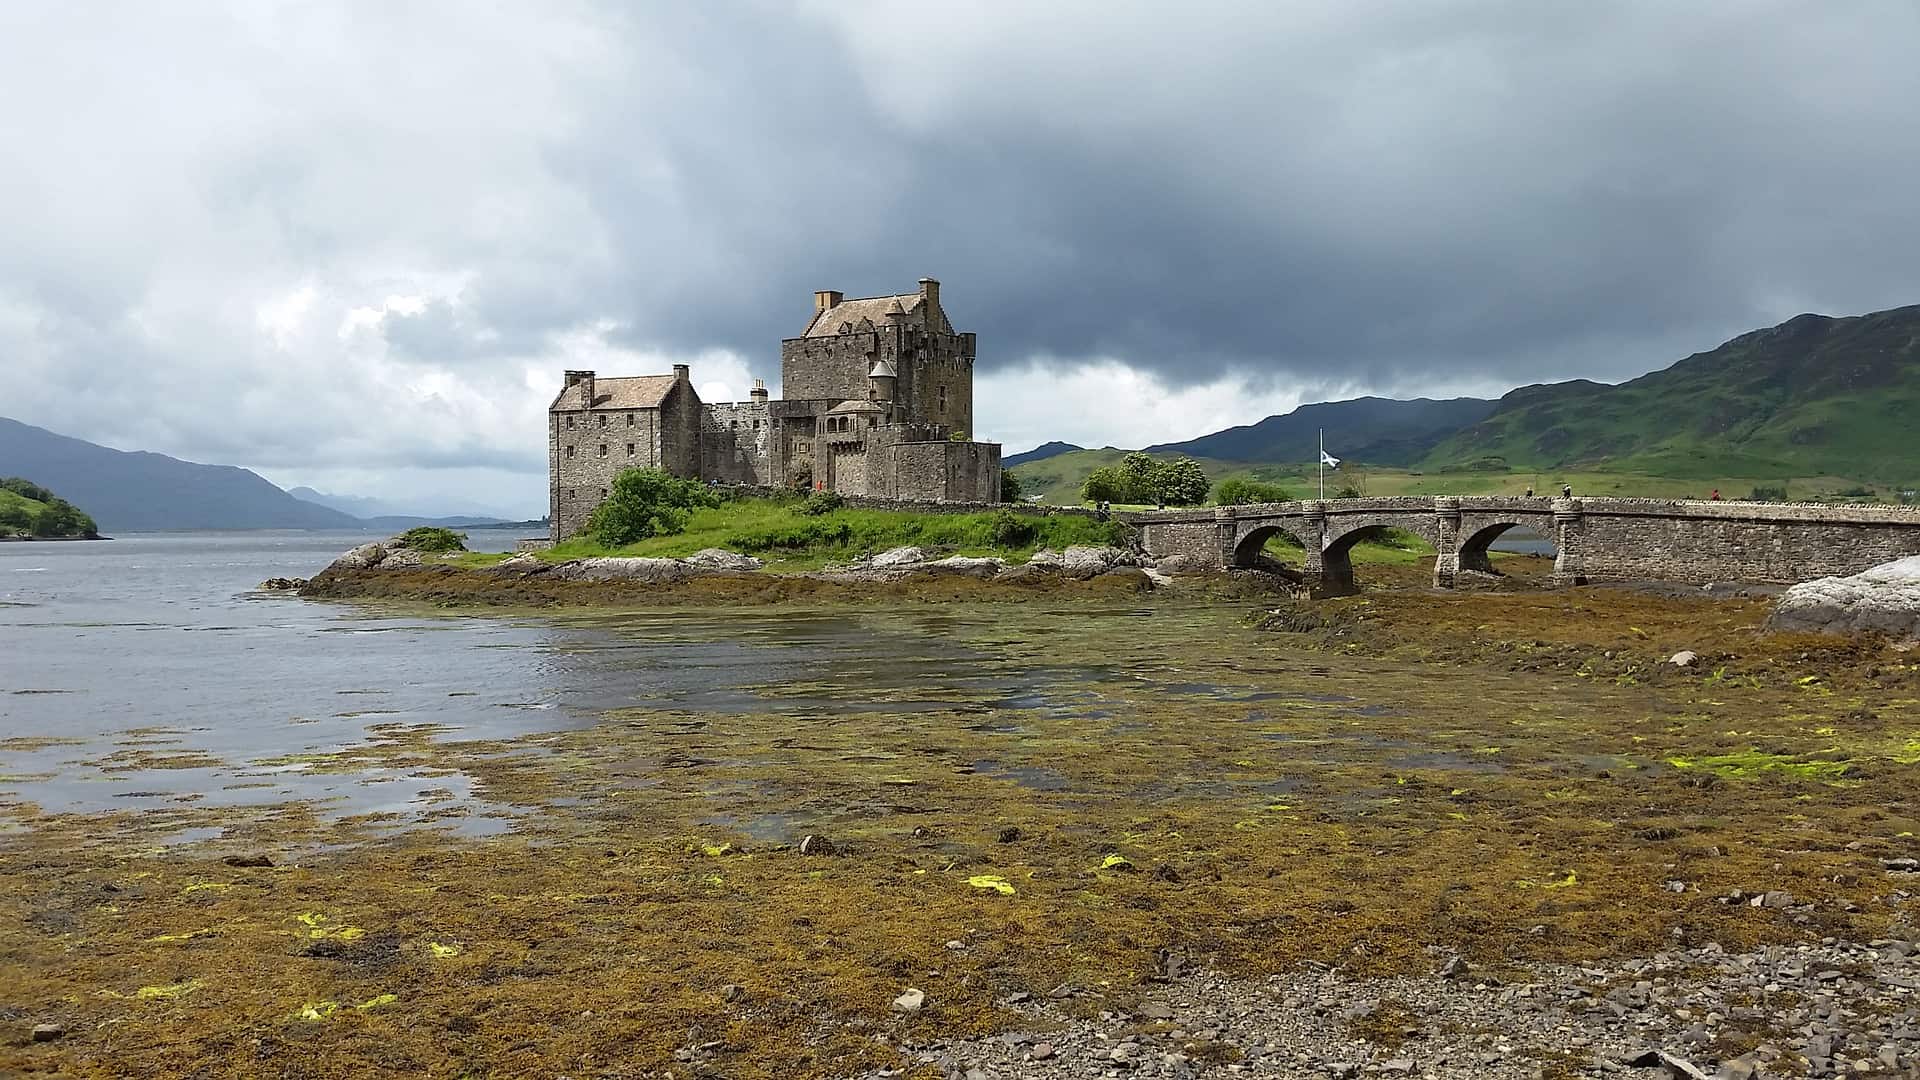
pixel 381 570
pixel 1817 1009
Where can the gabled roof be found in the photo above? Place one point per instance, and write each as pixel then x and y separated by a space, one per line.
pixel 872 309
pixel 631 392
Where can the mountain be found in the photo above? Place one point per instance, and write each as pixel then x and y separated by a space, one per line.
pixel 1039 453
pixel 441 512
pixel 1813 396
pixel 1376 431
pixel 133 491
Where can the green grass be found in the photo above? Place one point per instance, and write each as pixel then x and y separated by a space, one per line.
pixel 11 501
pixel 776 530
pixel 1058 480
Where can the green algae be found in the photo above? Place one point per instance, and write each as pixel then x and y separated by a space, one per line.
pixel 1753 764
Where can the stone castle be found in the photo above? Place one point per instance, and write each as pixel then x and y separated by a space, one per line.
pixel 878 401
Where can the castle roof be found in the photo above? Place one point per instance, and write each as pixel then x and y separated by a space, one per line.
pixel 882 368
pixel 856 406
pixel 873 309
pixel 631 392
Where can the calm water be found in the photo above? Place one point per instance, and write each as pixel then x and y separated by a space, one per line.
pixel 160 645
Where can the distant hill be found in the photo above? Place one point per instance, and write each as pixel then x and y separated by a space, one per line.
pixel 1812 396
pixel 134 491
pixel 1370 430
pixel 448 512
pixel 28 509
pixel 1039 453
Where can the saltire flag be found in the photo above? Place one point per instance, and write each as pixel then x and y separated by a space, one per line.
pixel 1329 460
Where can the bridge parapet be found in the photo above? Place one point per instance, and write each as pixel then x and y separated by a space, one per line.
pixel 1593 538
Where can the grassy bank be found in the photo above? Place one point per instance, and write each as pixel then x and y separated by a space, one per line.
pixel 783 533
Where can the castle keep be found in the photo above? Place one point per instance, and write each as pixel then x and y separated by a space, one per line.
pixel 877 400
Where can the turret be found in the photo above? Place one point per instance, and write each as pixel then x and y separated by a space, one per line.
pixel 882 379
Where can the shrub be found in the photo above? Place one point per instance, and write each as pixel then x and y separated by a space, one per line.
pixel 1009 487
pixel 431 539
pixel 644 503
pixel 821 502
pixel 1769 493
pixel 1106 484
pixel 1180 483
pixel 1239 491
pixel 1010 530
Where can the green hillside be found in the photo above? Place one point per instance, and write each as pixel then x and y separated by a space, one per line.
pixel 27 509
pixel 1814 396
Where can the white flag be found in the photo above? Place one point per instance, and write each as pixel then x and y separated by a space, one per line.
pixel 1329 460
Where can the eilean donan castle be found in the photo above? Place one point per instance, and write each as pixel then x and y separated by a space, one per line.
pixel 877 400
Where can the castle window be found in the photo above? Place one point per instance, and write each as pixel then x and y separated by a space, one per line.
pixel 569 420
pixel 943 399
pixel 736 425
pixel 603 419
pixel 629 419
pixel 603 449
pixel 756 425
pixel 603 493
pixel 629 449
pixel 569 451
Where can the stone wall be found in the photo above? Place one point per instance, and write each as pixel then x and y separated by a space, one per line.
pixel 586 450
pixel 944 470
pixel 740 443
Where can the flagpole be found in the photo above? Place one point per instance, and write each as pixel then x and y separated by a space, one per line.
pixel 1323 464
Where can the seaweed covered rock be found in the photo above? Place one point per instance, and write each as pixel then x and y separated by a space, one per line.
pixel 722 559
pixel 1884 599
pixel 898 557
pixel 968 565
pixel 1081 561
pixel 360 558
pixel 658 571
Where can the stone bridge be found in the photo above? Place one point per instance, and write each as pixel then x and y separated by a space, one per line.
pixel 1594 539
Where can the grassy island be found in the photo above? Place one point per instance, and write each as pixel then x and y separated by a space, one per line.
pixel 28 510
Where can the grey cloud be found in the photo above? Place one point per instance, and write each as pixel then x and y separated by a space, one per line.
pixel 1392 194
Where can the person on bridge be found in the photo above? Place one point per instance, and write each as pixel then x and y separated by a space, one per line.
pixel 1715 496
pixel 1566 491
pixel 1529 491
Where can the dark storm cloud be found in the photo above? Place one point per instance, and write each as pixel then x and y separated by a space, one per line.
pixel 367 232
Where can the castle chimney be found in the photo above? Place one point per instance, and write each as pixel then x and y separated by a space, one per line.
pixel 759 392
pixel 682 373
pixel 930 291
pixel 826 298
pixel 584 380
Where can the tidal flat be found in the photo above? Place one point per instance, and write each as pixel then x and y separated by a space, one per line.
pixel 1045 799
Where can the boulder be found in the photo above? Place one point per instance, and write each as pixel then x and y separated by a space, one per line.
pixel 967 565
pixel 1684 658
pixel 652 571
pixel 1884 599
pixel 1180 564
pixel 401 559
pixel 523 563
pixel 1046 558
pixel 899 557
pixel 283 584
pixel 722 559
pixel 361 558
pixel 1081 561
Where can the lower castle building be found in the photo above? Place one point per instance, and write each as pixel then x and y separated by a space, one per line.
pixel 878 400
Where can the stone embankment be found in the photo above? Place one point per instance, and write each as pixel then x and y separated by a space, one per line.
pixel 384 570
pixel 1816 1009
pixel 1882 600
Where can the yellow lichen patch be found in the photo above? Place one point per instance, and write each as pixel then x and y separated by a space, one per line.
pixel 992 881
pixel 169 991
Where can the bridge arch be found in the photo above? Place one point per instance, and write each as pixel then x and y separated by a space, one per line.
pixel 1249 544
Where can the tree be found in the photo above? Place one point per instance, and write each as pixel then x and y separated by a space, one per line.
pixel 644 503
pixel 1106 484
pixel 1009 487
pixel 1181 483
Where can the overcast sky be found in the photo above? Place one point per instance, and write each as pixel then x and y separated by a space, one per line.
pixel 354 245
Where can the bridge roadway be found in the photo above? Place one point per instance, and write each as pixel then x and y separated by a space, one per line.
pixel 1594 539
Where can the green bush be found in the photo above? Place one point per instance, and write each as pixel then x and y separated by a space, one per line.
pixel 1009 487
pixel 1140 478
pixel 646 503
pixel 821 502
pixel 1010 530
pixel 1769 493
pixel 431 539
pixel 26 489
pixel 1239 491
